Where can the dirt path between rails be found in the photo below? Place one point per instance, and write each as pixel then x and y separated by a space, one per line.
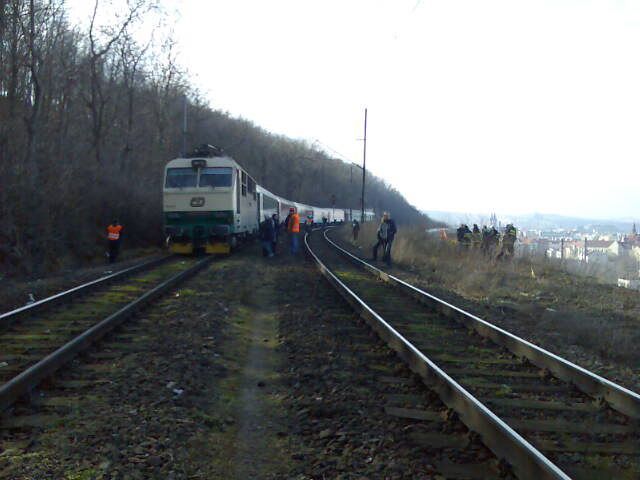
pixel 257 433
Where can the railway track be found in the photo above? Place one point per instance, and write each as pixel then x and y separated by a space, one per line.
pixel 348 384
pixel 38 339
pixel 547 417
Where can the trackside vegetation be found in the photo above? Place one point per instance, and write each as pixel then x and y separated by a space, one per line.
pixel 89 115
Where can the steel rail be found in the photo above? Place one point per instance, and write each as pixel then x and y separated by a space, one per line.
pixel 24 382
pixel 526 460
pixel 7 318
pixel 620 398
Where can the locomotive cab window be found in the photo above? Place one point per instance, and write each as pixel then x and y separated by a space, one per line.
pixel 181 178
pixel 244 184
pixel 216 177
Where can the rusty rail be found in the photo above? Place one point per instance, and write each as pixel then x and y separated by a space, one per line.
pixel 24 382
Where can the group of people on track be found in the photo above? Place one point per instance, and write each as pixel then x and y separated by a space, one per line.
pixel 488 240
pixel 270 229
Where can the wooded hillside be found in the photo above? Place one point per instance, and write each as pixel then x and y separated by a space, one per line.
pixel 88 118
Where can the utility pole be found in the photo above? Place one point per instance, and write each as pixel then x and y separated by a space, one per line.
pixel 184 127
pixel 585 249
pixel 364 164
pixel 350 193
pixel 333 206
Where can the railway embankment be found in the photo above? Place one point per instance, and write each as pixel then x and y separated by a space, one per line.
pixel 589 323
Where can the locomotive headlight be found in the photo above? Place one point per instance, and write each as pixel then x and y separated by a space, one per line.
pixel 198 163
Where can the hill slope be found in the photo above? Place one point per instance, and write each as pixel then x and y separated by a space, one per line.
pixel 87 123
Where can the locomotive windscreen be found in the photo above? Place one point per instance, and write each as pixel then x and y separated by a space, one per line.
pixel 215 177
pixel 181 178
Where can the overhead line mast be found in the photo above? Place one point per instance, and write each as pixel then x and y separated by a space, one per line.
pixel 364 164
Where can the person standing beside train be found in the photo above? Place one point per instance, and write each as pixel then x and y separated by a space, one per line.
pixel 276 232
pixel 267 235
pixel 293 227
pixel 114 231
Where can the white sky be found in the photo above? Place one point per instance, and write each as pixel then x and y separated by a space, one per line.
pixel 510 105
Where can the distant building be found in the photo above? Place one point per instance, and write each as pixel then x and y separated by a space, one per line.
pixel 595 249
pixel 632 284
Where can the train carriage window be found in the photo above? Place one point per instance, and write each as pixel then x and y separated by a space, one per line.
pixel 244 184
pixel 252 187
pixel 215 177
pixel 269 203
pixel 181 178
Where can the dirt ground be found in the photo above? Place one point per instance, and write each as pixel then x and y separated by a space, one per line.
pixel 255 368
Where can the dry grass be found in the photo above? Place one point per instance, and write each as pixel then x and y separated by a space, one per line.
pixel 533 297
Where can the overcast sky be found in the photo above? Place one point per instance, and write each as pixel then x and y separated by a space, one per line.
pixel 512 106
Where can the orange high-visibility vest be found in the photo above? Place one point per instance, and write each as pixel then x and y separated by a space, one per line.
pixel 114 232
pixel 294 223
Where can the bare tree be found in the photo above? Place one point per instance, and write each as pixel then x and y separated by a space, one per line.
pixel 98 50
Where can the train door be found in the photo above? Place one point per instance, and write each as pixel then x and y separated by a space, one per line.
pixel 260 207
pixel 238 192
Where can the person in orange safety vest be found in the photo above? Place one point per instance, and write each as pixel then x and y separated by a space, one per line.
pixel 293 227
pixel 114 232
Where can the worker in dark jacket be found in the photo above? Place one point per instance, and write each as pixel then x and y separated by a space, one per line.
pixel 286 220
pixel 464 237
pixel 476 237
pixel 267 236
pixel 308 224
pixel 386 234
pixel 276 231
pixel 492 244
pixel 484 244
pixel 508 241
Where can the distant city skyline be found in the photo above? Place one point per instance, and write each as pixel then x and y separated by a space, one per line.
pixel 537 221
pixel 495 105
pixel 623 218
